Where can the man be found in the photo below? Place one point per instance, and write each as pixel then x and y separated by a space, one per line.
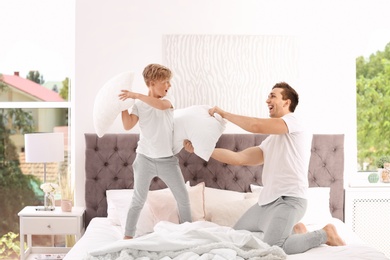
pixel 285 154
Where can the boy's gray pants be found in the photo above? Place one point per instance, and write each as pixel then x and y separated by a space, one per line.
pixel 168 170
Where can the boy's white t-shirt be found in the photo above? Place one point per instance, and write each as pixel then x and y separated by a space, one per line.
pixel 156 129
pixel 286 162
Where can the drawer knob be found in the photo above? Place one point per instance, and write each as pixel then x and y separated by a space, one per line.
pixel 48 226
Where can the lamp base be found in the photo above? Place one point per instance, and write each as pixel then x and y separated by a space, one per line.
pixel 42 208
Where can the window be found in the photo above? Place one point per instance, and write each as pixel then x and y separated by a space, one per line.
pixel 373 108
pixel 35 96
pixel 18 118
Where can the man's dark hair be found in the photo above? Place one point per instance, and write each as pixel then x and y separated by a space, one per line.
pixel 288 93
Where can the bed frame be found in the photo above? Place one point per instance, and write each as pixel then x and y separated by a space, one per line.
pixel 108 165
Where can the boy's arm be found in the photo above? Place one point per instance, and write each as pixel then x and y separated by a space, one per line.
pixel 161 104
pixel 128 120
pixel 151 101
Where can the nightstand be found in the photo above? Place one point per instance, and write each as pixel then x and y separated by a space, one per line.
pixel 33 222
pixel 367 213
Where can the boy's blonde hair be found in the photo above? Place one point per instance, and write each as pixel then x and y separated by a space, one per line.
pixel 156 72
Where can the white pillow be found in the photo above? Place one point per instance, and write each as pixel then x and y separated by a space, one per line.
pixel 256 189
pixel 317 211
pixel 160 205
pixel 216 197
pixel 113 196
pixel 228 213
pixel 195 124
pixel 164 206
pixel 107 105
pixel 118 204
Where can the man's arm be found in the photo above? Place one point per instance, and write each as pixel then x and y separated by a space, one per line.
pixel 253 124
pixel 251 156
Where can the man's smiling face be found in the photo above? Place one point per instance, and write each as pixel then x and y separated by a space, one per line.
pixel 277 107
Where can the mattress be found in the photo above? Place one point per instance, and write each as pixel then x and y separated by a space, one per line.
pixel 101 233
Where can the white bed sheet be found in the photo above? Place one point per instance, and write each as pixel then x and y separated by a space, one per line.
pixel 101 233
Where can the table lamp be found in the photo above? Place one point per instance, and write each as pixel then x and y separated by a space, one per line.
pixel 44 148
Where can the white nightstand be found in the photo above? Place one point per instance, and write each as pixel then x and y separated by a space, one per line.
pixel 367 213
pixel 33 222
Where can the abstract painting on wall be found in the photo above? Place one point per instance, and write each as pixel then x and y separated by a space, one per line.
pixel 235 72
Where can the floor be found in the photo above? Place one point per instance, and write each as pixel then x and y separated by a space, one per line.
pixel 45 256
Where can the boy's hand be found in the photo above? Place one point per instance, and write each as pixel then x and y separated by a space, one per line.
pixel 188 146
pixel 127 94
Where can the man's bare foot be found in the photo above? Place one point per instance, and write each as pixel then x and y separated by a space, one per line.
pixel 128 237
pixel 333 238
pixel 299 228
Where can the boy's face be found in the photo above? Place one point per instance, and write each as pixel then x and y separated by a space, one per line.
pixel 159 88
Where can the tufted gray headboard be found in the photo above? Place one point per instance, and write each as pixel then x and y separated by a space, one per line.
pixel 108 165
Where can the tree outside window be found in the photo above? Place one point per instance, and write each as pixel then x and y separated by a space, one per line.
pixel 373 108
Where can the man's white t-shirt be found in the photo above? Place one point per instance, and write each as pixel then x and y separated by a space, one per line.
pixel 156 129
pixel 286 162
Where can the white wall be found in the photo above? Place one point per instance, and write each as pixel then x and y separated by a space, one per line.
pixel 120 35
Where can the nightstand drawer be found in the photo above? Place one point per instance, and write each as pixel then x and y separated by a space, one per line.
pixel 47 226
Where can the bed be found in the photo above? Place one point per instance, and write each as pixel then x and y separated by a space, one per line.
pixel 219 194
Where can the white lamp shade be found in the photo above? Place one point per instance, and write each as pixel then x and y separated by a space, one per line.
pixel 44 147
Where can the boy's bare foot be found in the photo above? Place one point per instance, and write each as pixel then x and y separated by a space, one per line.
pixel 128 237
pixel 300 228
pixel 333 238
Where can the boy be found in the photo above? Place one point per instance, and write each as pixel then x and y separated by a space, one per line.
pixel 154 112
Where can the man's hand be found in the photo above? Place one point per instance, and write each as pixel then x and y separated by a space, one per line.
pixel 217 110
pixel 188 146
